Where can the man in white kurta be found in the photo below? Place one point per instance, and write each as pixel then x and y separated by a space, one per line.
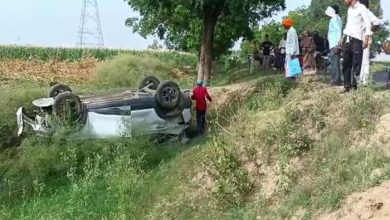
pixel 292 43
pixel 365 72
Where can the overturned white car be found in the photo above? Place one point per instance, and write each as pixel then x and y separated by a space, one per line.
pixel 155 108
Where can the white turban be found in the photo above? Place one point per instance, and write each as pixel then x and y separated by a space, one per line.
pixel 330 12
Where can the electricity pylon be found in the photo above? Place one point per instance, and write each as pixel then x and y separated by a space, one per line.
pixel 90 31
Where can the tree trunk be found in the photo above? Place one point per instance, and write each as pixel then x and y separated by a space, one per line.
pixel 206 52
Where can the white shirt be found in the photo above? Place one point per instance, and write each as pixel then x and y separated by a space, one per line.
pixel 374 20
pixel 358 22
pixel 335 31
pixel 282 43
pixel 292 43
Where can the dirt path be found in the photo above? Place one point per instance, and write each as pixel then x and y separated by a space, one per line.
pixel 371 204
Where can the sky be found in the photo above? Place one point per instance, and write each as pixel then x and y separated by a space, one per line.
pixel 55 23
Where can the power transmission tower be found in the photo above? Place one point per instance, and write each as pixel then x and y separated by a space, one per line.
pixel 90 32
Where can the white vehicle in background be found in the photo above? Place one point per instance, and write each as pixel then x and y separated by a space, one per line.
pixel 154 108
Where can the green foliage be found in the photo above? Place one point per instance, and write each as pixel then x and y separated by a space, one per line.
pixel 292 134
pixel 364 110
pixel 129 70
pixel 41 53
pixel 91 179
pixel 313 18
pixel 294 140
pixel 184 20
pixel 303 20
pixel 332 171
pixel 123 72
pixel 233 183
pixel 12 98
pixel 269 95
pixel 75 54
pixel 274 30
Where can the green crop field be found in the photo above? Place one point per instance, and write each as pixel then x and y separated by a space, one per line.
pixel 74 54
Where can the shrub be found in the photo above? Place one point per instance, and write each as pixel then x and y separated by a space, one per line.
pixel 364 109
pixel 233 184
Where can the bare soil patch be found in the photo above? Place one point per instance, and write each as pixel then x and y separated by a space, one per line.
pixel 48 71
pixel 371 204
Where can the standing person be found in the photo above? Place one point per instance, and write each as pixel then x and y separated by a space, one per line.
pixel 334 35
pixel 308 51
pixel 282 52
pixel 266 46
pixel 282 43
pixel 365 71
pixel 292 44
pixel 200 94
pixel 355 38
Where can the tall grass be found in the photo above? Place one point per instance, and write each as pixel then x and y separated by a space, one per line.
pixel 285 148
pixel 129 70
pixel 87 179
pixel 12 98
pixel 123 72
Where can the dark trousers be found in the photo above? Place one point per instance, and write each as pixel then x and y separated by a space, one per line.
pixel 200 121
pixel 352 63
pixel 335 68
pixel 280 60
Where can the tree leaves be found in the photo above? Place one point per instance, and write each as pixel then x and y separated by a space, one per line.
pixel 182 20
pixel 313 18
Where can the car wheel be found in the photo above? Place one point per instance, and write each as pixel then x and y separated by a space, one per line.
pixel 152 81
pixel 67 108
pixel 168 95
pixel 169 114
pixel 57 89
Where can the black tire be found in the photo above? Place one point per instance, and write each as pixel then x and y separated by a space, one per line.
pixel 154 81
pixel 168 114
pixel 168 95
pixel 57 89
pixel 67 108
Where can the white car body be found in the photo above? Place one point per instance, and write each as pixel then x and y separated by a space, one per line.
pixel 123 114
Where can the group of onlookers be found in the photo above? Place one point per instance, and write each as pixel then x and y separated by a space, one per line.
pixel 351 42
pixel 267 55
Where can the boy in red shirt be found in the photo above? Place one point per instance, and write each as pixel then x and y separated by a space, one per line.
pixel 199 94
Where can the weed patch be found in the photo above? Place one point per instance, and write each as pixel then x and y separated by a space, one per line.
pixel 233 183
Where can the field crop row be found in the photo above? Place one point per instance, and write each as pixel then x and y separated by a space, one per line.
pixel 75 54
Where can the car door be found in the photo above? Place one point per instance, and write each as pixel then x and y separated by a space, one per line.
pixel 109 122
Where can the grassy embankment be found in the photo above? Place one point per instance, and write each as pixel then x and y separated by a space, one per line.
pixel 285 149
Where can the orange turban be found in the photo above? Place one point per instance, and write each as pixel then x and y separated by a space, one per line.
pixel 288 22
